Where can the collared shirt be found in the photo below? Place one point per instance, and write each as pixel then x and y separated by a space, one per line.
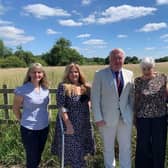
pixel 34 114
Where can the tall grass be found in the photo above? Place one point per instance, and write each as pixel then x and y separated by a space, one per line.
pixel 11 148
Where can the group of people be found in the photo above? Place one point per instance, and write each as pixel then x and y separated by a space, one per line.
pixel 117 101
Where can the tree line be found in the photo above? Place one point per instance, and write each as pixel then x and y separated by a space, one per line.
pixel 60 54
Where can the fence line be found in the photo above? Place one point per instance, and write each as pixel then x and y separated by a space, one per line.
pixel 5 91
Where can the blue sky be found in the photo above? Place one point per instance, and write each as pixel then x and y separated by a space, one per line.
pixel 94 27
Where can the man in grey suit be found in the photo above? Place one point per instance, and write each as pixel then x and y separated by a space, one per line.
pixel 112 105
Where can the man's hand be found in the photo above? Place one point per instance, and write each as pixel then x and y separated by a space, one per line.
pixel 100 123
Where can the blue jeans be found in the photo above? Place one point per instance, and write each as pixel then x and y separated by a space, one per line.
pixel 33 142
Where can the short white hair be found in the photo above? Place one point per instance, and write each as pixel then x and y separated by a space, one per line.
pixel 147 62
pixel 116 51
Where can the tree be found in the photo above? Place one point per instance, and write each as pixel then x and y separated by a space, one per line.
pixel 131 60
pixel 25 56
pixel 1 49
pixel 4 51
pixel 163 59
pixel 107 60
pixel 62 54
pixel 95 61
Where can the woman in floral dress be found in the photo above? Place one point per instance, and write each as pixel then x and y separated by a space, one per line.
pixel 73 96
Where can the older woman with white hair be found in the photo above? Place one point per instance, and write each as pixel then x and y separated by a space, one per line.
pixel 150 116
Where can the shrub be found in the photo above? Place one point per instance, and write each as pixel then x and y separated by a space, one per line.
pixel 11 61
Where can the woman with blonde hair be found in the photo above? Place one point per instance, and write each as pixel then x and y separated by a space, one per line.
pixel 33 96
pixel 73 96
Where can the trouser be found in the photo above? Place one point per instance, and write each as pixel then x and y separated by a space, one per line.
pixel 122 132
pixel 151 142
pixel 34 142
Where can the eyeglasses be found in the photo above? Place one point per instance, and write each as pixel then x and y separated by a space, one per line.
pixel 146 68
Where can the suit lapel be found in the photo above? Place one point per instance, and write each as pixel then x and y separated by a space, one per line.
pixel 111 79
pixel 124 74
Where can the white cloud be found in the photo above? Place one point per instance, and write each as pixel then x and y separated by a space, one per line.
pixel 161 2
pixel 166 40
pixel 90 19
pixel 122 36
pixel 129 48
pixel 95 42
pixel 86 2
pixel 42 11
pixel 83 35
pixel 123 12
pixel 76 12
pixel 164 36
pixel 150 48
pixel 70 22
pixel 153 27
pixel 14 36
pixel 111 14
pixel 4 22
pixel 51 31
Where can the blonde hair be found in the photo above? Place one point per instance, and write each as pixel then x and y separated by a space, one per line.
pixel 43 82
pixel 70 88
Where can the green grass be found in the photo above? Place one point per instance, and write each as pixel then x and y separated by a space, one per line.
pixel 11 149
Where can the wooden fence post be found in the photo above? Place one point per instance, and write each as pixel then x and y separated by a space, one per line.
pixel 5 96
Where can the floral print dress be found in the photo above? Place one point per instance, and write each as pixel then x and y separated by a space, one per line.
pixel 81 142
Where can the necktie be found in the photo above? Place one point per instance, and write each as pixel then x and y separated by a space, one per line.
pixel 118 81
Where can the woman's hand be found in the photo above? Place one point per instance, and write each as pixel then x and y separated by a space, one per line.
pixel 69 129
pixel 68 124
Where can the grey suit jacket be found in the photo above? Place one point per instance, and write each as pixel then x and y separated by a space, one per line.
pixel 106 103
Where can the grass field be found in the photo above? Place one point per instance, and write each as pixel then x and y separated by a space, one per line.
pixel 14 76
pixel 11 150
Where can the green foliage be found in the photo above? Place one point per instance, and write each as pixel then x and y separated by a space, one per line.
pixel 12 61
pixel 1 48
pixel 12 151
pixel 11 147
pixel 128 60
pixel 131 60
pixel 62 54
pixel 39 60
pixel 4 51
pixel 25 56
pixel 163 59
pixel 107 60
pixel 95 61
